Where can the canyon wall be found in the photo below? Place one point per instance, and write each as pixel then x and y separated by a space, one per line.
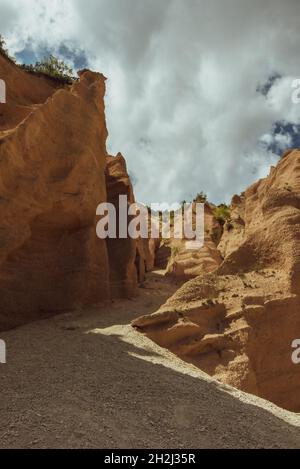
pixel 54 171
pixel 238 322
pixel 127 257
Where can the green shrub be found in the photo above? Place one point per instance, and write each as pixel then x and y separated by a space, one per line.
pixel 50 66
pixel 222 213
pixel 201 198
pixel 53 67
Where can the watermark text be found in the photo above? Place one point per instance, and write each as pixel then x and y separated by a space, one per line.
pixel 2 352
pixel 296 353
pixel 296 92
pixel 2 92
pixel 158 221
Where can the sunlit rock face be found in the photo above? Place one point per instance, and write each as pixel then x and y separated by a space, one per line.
pixel 238 323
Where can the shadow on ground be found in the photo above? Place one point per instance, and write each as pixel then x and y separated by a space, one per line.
pixel 87 381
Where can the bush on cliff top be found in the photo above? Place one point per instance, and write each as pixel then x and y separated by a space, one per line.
pixel 50 66
pixel 201 198
pixel 222 213
pixel 53 67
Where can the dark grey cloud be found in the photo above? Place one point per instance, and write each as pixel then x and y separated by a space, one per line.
pixel 196 89
pixel 283 135
pixel 74 55
pixel 267 86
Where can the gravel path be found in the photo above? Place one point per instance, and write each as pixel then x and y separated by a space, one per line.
pixel 88 380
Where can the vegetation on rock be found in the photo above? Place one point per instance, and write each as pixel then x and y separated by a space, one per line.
pixel 222 213
pixel 50 66
pixel 201 198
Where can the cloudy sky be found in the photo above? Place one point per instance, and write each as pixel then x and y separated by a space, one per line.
pixel 199 93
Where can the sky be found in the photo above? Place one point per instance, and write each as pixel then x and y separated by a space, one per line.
pixel 198 93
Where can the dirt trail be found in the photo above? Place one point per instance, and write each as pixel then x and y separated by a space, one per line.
pixel 87 379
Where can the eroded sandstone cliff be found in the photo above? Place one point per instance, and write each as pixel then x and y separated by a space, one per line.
pixel 128 259
pixel 185 263
pixel 238 323
pixel 53 175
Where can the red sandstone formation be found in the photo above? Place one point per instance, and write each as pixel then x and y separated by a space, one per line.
pixel 53 175
pixel 238 323
pixel 127 257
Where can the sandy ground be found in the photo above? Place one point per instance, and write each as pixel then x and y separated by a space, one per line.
pixel 88 380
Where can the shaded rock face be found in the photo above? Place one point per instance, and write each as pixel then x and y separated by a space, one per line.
pixel 52 178
pixel 129 259
pixel 238 323
pixel 163 256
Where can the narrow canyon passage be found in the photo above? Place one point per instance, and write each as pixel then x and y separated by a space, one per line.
pixel 87 379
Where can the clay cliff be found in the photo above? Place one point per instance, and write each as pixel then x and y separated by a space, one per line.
pixel 129 260
pixel 184 263
pixel 238 322
pixel 54 171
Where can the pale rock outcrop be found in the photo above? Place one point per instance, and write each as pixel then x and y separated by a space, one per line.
pixel 186 263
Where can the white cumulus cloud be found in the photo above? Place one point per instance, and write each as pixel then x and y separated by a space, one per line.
pixel 183 100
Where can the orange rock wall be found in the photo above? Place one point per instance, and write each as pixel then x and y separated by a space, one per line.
pixel 52 178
